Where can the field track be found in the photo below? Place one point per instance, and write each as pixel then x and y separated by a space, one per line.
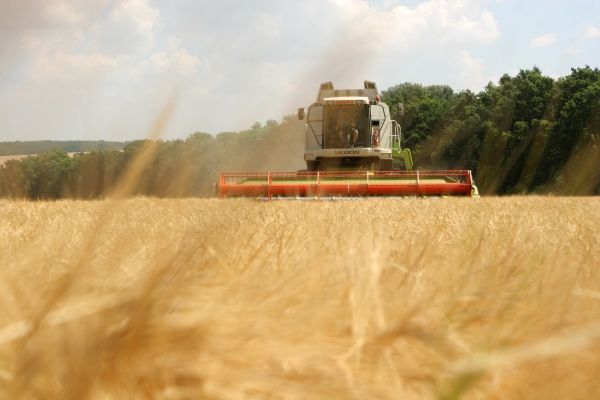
pixel 239 299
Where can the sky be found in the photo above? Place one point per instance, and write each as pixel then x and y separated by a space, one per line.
pixel 106 69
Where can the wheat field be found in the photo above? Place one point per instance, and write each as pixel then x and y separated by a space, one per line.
pixel 489 298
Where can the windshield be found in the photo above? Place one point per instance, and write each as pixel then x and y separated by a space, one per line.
pixel 345 126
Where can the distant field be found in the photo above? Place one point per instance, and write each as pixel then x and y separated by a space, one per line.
pixel 41 146
pixel 4 159
pixel 233 299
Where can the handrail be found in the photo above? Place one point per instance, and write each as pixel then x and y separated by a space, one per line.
pixel 395 133
pixel 422 173
pixel 308 122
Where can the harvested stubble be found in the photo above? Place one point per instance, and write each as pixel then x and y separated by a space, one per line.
pixel 232 299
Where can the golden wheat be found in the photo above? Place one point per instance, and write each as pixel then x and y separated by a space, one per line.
pixel 236 299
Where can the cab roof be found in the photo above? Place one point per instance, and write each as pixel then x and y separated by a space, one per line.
pixel 346 100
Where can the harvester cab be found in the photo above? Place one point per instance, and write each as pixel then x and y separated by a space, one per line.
pixel 352 130
pixel 352 148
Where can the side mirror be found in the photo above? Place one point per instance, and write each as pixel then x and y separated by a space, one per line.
pixel 301 113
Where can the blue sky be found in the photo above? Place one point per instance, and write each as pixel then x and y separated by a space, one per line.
pixel 101 69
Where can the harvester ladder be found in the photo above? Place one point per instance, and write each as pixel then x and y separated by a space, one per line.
pixel 396 135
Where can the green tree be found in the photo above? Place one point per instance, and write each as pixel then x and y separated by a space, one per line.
pixel 45 175
pixel 577 126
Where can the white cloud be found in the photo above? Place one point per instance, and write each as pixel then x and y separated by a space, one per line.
pixel 592 32
pixel 263 60
pixel 368 34
pixel 119 38
pixel 543 40
pixel 129 27
pixel 62 12
pixel 439 20
pixel 138 12
pixel 472 71
pixel 573 50
pixel 88 61
pixel 85 41
pixel 176 60
pixel 68 67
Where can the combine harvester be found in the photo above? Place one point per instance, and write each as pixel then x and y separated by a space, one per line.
pixel 353 149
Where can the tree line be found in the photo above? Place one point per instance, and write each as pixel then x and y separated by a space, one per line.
pixel 177 168
pixel 529 133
